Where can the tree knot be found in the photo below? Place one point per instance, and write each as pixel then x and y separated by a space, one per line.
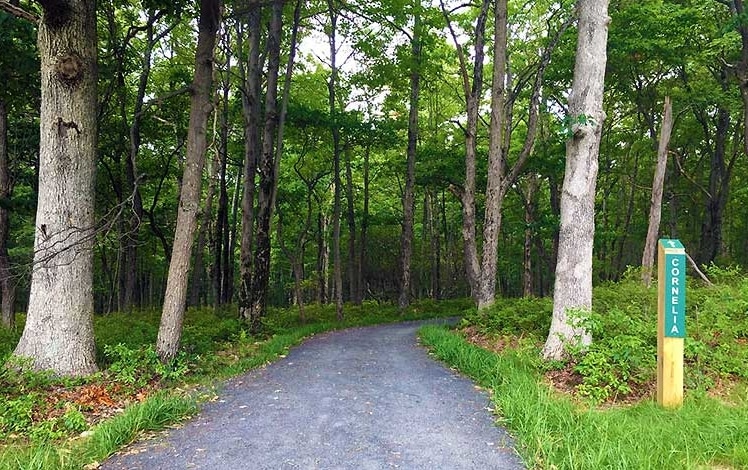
pixel 69 69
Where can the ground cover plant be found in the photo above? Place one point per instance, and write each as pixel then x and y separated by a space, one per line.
pixel 597 408
pixel 48 422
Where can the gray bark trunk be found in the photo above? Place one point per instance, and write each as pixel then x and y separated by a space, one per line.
pixel 7 286
pixel 406 238
pixel 251 110
pixel 265 199
pixel 495 184
pixel 172 317
pixel 58 335
pixel 655 208
pixel 473 94
pixel 573 286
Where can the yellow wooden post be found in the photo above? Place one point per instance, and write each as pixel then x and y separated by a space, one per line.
pixel 671 321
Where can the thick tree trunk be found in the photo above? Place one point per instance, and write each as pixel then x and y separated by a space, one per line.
pixel 58 335
pixel 172 317
pixel 7 286
pixel 573 289
pixel 265 199
pixel 495 186
pixel 251 110
pixel 655 208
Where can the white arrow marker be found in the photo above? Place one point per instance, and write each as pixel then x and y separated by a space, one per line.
pixel 672 243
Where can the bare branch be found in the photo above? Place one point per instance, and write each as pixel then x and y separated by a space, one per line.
pixel 18 12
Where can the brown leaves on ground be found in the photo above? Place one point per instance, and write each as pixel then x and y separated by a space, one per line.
pixel 96 401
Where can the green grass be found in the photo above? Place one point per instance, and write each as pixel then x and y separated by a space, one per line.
pixel 554 432
pixel 153 414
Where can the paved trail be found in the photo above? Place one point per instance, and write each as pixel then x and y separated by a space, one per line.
pixel 365 398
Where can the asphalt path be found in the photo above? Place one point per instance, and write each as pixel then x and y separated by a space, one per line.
pixel 364 398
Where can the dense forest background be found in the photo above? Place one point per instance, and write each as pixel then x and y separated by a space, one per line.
pixel 339 172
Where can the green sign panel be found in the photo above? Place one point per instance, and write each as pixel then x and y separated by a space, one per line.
pixel 675 290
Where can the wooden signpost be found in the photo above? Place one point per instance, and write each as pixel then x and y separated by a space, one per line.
pixel 671 322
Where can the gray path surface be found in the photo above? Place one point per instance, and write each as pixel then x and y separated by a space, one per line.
pixel 365 398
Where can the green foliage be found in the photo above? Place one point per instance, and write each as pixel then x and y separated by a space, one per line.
pixel 523 316
pixel 622 358
pixel 141 366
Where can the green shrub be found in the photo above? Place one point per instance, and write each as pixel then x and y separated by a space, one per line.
pixel 138 367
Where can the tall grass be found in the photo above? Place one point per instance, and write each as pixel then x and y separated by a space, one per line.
pixel 553 432
pixel 103 440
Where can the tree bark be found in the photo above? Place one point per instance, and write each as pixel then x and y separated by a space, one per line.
pixel 472 94
pixel 172 317
pixel 266 167
pixel 406 237
pixel 7 286
pixel 350 216
pixel 573 287
pixel 495 190
pixel 361 265
pixel 197 287
pixel 221 252
pixel 655 208
pixel 251 110
pixel 58 335
pixel 332 85
pixel 527 273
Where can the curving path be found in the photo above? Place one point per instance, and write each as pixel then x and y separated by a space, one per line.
pixel 364 398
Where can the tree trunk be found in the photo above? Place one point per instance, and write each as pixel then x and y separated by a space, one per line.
pixel 573 288
pixel 222 215
pixel 435 248
pixel 332 84
pixel 198 271
pixel 655 208
pixel 58 335
pixel 527 273
pixel 251 110
pixel 719 179
pixel 360 275
pixel 230 271
pixel 7 288
pixel 350 216
pixel 406 238
pixel 128 289
pixel 323 257
pixel 172 317
pixel 265 199
pixel 495 189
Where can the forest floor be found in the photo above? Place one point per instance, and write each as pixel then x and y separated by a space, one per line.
pixel 359 398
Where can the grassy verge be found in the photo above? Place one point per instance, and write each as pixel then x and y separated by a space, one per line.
pixel 46 423
pixel 555 432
